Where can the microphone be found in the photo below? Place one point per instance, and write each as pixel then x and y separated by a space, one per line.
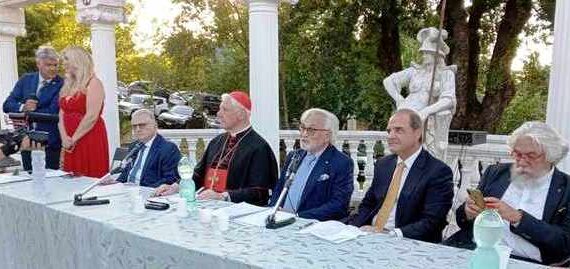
pixel 78 198
pixel 128 159
pixel 270 222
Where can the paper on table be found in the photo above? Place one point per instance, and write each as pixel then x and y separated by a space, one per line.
pixel 333 231
pixel 55 173
pixel 258 219
pixel 239 210
pixel 8 178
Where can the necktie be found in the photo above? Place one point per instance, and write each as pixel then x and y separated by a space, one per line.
pixel 42 85
pixel 301 177
pixel 390 200
pixel 137 167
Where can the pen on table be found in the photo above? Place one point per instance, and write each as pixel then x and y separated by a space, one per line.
pixel 200 190
pixel 307 225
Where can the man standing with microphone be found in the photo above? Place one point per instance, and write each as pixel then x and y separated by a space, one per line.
pixel 39 92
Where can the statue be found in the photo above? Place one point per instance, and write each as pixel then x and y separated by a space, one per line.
pixel 438 108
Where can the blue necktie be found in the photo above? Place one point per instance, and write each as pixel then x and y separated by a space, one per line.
pixel 137 167
pixel 296 191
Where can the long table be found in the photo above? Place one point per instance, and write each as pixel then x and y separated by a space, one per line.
pixel 41 228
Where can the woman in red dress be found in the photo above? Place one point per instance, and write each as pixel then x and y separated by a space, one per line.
pixel 83 133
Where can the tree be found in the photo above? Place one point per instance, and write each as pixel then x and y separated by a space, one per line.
pixel 467 47
pixel 531 98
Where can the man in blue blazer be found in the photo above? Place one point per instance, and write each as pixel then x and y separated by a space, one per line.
pixel 323 183
pixel 39 92
pixel 412 191
pixel 156 162
pixel 531 195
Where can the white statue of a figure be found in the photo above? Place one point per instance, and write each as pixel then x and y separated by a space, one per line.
pixel 417 78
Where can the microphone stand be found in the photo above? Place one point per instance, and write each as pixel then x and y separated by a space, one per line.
pixel 271 222
pixel 79 200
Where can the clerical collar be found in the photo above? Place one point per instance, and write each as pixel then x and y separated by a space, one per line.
pixel 242 131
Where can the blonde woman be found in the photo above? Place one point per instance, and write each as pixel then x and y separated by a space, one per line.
pixel 83 133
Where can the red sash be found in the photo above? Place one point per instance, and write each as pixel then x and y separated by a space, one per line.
pixel 218 177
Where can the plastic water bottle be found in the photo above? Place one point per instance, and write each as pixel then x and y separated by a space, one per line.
pixel 187 185
pixel 38 164
pixel 487 232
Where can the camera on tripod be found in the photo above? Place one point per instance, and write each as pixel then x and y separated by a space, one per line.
pixel 11 140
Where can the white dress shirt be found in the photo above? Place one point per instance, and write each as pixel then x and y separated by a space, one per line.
pixel 531 197
pixel 391 223
pixel 144 156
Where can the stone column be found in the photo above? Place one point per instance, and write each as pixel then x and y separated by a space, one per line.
pixel 559 91
pixel 264 69
pixel 102 16
pixel 12 24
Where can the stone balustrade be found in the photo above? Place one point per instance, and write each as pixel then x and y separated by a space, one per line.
pixel 361 145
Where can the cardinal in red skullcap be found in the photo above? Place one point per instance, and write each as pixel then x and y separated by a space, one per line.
pixel 238 165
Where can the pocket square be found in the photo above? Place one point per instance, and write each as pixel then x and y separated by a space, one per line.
pixel 324 177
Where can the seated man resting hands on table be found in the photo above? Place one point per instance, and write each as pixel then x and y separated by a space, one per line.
pixel 238 165
pixel 156 162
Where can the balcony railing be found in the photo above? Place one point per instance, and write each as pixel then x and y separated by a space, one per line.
pixel 467 162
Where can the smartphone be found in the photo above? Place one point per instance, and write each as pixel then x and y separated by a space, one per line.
pixel 477 196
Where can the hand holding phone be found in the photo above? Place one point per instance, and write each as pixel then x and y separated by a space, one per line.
pixel 477 196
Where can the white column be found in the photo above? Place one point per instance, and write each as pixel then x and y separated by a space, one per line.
pixel 102 16
pixel 264 69
pixel 12 24
pixel 559 91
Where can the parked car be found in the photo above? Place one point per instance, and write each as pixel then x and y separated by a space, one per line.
pixel 147 87
pixel 213 123
pixel 138 101
pixel 182 117
pixel 204 102
pixel 122 91
pixel 180 98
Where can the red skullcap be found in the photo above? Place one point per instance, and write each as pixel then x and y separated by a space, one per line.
pixel 242 99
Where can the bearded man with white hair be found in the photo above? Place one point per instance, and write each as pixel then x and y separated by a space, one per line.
pixel 531 195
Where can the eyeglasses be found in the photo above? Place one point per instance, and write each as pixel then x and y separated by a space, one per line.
pixel 530 156
pixel 140 125
pixel 310 131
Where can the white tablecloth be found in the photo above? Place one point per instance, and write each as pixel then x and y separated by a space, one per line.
pixel 40 228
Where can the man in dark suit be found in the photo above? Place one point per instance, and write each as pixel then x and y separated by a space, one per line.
pixel 39 92
pixel 323 183
pixel 531 195
pixel 412 191
pixel 238 165
pixel 156 161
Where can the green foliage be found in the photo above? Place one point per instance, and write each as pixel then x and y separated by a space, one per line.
pixel 530 101
pixel 329 55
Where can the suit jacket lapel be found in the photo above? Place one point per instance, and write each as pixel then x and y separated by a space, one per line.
pixel 555 193
pixel 502 184
pixel 34 86
pixel 152 153
pixel 317 171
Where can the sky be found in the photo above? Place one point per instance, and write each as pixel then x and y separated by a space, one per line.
pixel 160 14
